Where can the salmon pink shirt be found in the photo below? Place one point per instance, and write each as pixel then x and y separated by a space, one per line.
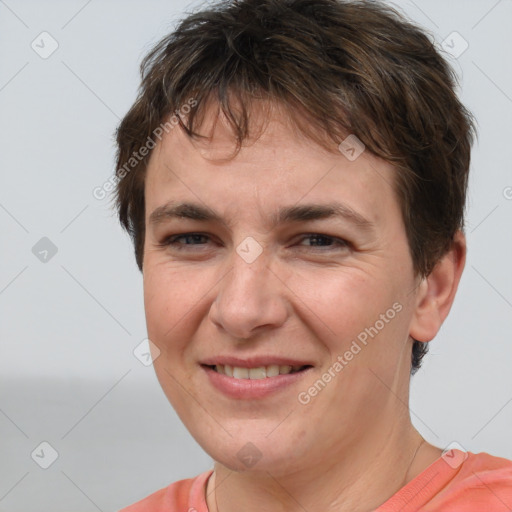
pixel 456 482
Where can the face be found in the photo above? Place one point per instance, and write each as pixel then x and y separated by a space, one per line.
pixel 286 255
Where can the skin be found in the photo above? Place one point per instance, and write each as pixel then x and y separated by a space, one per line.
pixel 353 446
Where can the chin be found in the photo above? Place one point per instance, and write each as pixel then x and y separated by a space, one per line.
pixel 259 452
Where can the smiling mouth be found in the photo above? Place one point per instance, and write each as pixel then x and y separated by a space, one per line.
pixel 261 372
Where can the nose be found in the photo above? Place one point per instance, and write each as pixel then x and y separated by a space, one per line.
pixel 250 300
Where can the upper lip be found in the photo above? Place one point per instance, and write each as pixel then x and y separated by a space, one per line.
pixel 254 362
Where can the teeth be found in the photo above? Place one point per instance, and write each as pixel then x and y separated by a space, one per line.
pixel 272 370
pixel 240 373
pixel 257 373
pixel 260 372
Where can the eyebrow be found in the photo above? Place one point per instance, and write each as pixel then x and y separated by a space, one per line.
pixel 287 214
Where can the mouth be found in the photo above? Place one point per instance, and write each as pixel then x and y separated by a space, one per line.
pixel 256 373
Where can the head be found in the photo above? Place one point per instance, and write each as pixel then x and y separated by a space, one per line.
pixel 241 111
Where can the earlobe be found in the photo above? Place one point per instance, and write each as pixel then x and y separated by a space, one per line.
pixel 436 292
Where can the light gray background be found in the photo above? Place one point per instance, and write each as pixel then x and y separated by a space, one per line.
pixel 69 326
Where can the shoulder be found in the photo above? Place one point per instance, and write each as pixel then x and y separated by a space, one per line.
pixel 482 470
pixel 457 481
pixel 183 495
pixel 481 482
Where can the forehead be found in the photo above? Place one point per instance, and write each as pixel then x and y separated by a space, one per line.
pixel 276 165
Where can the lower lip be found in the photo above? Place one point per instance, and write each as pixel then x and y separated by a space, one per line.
pixel 252 388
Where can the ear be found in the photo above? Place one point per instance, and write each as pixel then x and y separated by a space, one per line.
pixel 436 292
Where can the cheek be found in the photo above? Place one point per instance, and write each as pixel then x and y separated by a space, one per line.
pixel 357 314
pixel 172 302
pixel 343 300
pixel 170 299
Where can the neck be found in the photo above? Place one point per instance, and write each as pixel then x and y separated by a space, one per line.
pixel 359 479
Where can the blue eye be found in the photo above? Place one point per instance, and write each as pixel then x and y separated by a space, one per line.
pixel 193 237
pixel 331 241
pixel 317 241
pixel 189 236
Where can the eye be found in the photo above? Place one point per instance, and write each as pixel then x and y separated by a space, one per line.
pixel 329 242
pixel 186 239
pixel 316 241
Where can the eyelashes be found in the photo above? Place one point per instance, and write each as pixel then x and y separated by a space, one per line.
pixel 336 242
pixel 319 241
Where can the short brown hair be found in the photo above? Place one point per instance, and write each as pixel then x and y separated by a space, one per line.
pixel 338 67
